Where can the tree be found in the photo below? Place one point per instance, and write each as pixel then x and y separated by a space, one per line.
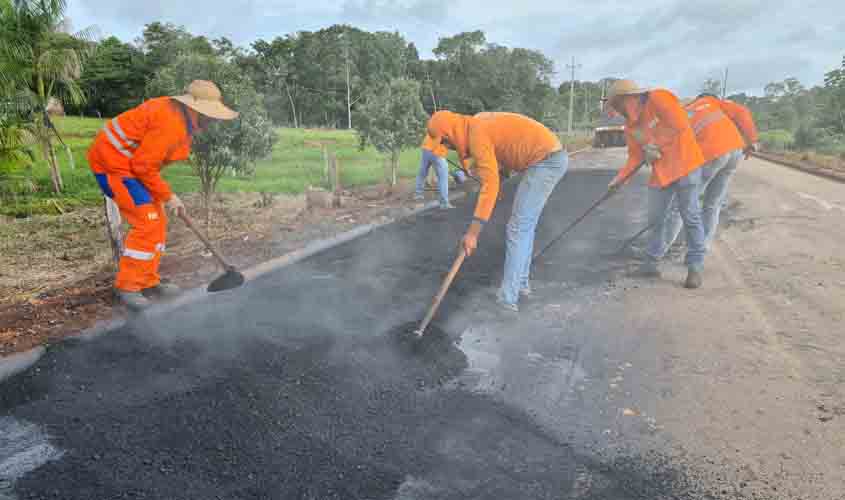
pixel 41 62
pixel 226 146
pixel 114 78
pixel 392 120
pixel 834 88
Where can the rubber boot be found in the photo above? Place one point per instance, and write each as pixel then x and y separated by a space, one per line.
pixel 134 301
pixel 694 280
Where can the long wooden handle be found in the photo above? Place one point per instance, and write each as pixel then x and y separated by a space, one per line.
pixel 208 245
pixel 447 282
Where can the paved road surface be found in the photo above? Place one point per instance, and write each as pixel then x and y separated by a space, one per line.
pixel 604 387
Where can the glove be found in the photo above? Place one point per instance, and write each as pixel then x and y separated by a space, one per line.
pixel 652 153
pixel 175 206
pixel 615 184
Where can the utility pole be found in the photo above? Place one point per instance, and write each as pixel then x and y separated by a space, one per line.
pixel 573 66
pixel 725 85
pixel 586 104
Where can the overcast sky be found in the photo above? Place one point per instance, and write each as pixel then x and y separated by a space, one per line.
pixel 671 43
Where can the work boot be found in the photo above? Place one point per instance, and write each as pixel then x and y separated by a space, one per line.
pixel 507 307
pixel 162 291
pixel 419 197
pixel 694 280
pixel 134 301
pixel 649 269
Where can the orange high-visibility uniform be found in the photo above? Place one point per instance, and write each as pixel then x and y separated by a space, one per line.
pixel 127 158
pixel 490 139
pixel 436 148
pixel 662 121
pixel 720 126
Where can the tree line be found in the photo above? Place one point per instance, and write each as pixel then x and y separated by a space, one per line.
pixel 336 77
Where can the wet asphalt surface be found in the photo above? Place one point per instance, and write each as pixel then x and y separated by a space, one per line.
pixel 297 387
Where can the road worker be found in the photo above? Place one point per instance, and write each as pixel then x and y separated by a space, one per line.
pixel 514 143
pixel 434 154
pixel 658 133
pixel 725 131
pixel 127 158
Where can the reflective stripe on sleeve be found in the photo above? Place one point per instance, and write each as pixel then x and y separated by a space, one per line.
pixel 137 254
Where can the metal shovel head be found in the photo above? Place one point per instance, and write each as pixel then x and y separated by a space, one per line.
pixel 226 281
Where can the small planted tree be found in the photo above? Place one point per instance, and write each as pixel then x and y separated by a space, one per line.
pixel 392 119
pixel 226 146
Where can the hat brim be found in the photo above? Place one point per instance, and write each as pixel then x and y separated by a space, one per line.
pixel 634 91
pixel 211 109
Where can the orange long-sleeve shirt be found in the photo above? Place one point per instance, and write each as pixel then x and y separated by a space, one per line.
pixel 436 148
pixel 743 119
pixel 662 121
pixel 715 131
pixel 492 139
pixel 141 141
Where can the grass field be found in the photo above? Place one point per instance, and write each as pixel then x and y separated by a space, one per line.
pixel 295 163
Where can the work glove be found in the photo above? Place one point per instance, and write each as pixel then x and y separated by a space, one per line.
pixel 175 206
pixel 615 184
pixel 652 153
pixel 751 149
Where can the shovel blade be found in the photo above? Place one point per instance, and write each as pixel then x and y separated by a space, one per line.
pixel 228 280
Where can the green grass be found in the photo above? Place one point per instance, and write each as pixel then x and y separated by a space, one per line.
pixel 295 163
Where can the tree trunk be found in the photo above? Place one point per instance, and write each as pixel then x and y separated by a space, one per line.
pixel 394 166
pixel 348 95
pixel 292 106
pixel 49 155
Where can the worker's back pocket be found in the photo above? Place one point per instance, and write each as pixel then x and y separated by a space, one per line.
pixel 137 191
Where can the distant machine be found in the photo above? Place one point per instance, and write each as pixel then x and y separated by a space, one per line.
pixel 611 130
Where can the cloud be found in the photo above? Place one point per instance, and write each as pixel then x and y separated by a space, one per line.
pixel 673 43
pixel 426 11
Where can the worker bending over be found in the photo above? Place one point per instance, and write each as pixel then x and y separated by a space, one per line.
pixel 127 158
pixel 724 131
pixel 516 143
pixel 658 133
pixel 434 154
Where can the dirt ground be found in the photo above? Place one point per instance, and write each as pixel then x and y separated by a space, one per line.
pixel 56 271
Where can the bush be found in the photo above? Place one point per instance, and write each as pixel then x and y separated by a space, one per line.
pixel 776 140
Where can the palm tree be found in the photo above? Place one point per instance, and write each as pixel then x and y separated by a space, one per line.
pixel 40 61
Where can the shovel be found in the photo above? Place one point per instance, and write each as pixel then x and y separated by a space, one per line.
pixel 229 279
pixel 447 282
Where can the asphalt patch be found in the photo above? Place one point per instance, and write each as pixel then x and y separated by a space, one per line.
pixel 294 388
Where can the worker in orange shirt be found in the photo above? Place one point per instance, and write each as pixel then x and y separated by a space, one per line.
pixel 433 154
pixel 127 158
pixel 658 133
pixel 515 143
pixel 725 131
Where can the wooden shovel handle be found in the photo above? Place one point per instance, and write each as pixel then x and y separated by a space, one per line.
pixel 208 245
pixel 447 282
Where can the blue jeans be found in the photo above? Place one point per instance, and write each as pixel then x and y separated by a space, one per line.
pixel 684 193
pixel 442 175
pixel 534 189
pixel 716 179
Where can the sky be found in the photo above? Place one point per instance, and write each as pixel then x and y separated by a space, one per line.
pixel 676 44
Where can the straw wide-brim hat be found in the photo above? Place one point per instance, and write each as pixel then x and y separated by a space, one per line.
pixel 205 98
pixel 623 88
